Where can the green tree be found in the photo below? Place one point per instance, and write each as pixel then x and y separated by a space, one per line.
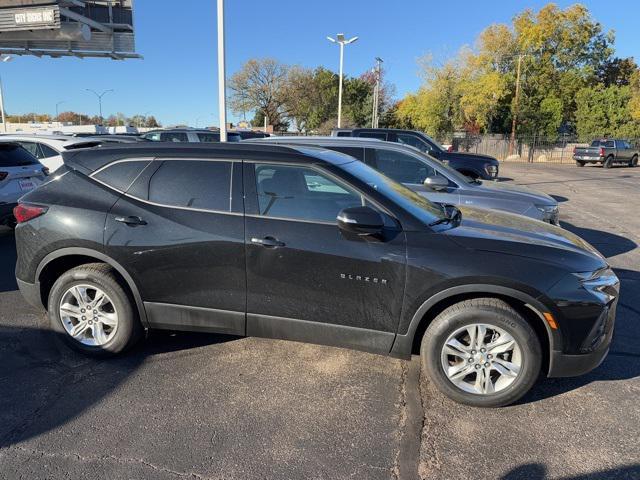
pixel 605 111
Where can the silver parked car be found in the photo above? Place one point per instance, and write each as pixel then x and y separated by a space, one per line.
pixel 20 172
pixel 436 181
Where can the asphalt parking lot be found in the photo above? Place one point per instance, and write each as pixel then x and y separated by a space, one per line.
pixel 212 407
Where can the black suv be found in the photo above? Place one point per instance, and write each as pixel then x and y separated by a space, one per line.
pixel 473 165
pixel 307 244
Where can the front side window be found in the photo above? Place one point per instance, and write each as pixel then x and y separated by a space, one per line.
pixel 302 193
pixel 192 184
pixel 209 137
pixel 401 167
pixel 153 137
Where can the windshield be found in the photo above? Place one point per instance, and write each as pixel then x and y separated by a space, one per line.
pixel 415 204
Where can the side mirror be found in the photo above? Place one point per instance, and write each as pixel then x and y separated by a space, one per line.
pixel 436 183
pixel 360 220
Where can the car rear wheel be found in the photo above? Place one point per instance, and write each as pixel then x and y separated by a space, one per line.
pixel 634 161
pixel 92 311
pixel 481 352
pixel 579 163
pixel 608 163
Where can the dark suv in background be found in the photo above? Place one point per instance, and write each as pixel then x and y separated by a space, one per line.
pixel 472 165
pixel 308 244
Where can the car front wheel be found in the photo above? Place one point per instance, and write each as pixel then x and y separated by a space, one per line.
pixel 481 352
pixel 92 311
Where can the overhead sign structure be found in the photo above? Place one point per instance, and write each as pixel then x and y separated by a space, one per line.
pixel 77 28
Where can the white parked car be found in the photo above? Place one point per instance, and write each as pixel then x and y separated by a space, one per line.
pixel 48 148
pixel 20 172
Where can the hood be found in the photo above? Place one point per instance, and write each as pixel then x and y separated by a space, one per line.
pixel 503 190
pixel 503 232
pixel 463 156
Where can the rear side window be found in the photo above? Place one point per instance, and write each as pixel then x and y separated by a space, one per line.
pixel 47 151
pixel 193 184
pixel 33 148
pixel 120 175
pixel 15 156
pixel 209 137
pixel 401 167
pixel 379 136
pixel 174 137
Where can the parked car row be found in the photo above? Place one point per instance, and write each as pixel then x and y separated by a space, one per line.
pixel 326 240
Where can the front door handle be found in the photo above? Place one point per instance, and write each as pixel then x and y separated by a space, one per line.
pixel 132 220
pixel 267 242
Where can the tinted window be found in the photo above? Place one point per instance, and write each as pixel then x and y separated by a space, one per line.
pixel 379 136
pixel 355 152
pixel 413 141
pixel 302 193
pixel 15 156
pixel 174 137
pixel 32 148
pixel 47 151
pixel 602 143
pixel 343 134
pixel 154 136
pixel 121 175
pixel 209 137
pixel 402 167
pixel 191 183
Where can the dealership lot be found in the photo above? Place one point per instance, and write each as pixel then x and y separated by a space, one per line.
pixel 206 406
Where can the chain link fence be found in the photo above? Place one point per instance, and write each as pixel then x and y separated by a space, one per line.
pixel 525 148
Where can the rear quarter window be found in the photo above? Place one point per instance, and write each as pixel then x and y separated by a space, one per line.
pixel 120 175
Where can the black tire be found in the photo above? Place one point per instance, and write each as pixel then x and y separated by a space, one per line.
pixel 608 163
pixel 489 311
pixel 102 276
pixel 634 161
pixel 579 163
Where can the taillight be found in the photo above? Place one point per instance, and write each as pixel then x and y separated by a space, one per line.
pixel 25 212
pixel 3 175
pixel 601 152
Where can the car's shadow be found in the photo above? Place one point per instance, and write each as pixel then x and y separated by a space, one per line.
pixel 538 471
pixel 609 244
pixel 7 260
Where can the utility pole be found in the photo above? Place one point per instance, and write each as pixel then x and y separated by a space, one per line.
pixel 57 112
pixel 222 81
pixel 376 93
pixel 4 120
pixel 514 121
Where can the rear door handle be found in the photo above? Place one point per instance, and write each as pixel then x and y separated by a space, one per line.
pixel 268 242
pixel 132 220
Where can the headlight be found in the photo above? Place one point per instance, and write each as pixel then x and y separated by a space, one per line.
pixel 550 209
pixel 602 283
pixel 492 170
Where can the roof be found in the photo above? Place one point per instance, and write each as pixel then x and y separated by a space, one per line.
pixel 361 142
pixel 44 138
pixel 90 159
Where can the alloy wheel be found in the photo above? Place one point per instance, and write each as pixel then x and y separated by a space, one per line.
pixel 88 315
pixel 481 358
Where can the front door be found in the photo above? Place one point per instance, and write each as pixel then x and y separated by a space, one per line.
pixel 308 281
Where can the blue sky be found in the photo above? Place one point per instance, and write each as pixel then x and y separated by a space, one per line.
pixel 177 80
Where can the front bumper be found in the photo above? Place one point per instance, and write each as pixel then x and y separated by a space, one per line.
pixel 595 349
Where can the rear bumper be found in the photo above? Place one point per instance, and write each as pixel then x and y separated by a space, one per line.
pixel 579 158
pixel 30 292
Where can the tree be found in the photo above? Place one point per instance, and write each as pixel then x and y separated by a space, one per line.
pixel 260 85
pixel 618 71
pixel 606 111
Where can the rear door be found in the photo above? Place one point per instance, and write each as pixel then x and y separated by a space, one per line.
pixel 622 152
pixel 308 281
pixel 179 232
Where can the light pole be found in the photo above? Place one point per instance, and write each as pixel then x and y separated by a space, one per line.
pixel 222 81
pixel 340 40
pixel 376 93
pixel 99 95
pixel 57 113
pixel 3 58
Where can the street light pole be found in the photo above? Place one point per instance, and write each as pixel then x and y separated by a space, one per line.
pixel 99 95
pixel 57 113
pixel 376 93
pixel 340 40
pixel 222 83
pixel 3 58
